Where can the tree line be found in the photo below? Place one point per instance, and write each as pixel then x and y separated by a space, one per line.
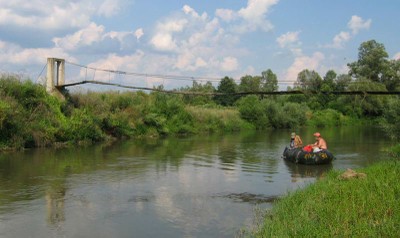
pixel 372 71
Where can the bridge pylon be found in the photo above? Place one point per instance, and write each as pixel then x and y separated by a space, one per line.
pixel 55 76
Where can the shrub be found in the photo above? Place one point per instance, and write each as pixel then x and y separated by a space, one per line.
pixel 326 118
pixel 252 110
pixel 390 121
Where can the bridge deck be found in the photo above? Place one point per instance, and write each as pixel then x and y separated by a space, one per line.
pixel 238 93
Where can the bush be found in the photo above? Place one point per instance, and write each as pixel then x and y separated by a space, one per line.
pixel 327 118
pixel 252 110
pixel 390 121
pixel 294 115
pixel 82 126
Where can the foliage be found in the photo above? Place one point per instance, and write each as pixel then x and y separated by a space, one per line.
pixel 226 86
pixel 327 118
pixel 372 61
pixel 309 80
pixel 269 81
pixel 390 121
pixel 367 105
pixel 206 88
pixel 29 116
pixel 266 113
pixel 373 64
pixel 250 84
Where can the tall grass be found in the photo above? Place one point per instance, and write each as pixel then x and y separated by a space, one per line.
pixel 218 119
pixel 331 207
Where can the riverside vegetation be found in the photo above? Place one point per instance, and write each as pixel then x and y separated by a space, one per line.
pixel 29 117
pixel 364 207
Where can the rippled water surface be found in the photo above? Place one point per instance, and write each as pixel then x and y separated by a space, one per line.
pixel 204 186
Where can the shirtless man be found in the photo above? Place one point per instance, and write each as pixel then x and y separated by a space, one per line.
pixel 320 143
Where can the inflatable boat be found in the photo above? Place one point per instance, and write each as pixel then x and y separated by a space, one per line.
pixel 300 156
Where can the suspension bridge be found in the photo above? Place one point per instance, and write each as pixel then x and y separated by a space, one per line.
pixel 56 83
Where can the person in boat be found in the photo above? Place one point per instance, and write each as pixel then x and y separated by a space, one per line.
pixel 295 141
pixel 320 143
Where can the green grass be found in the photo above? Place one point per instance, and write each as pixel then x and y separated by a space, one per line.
pixel 332 207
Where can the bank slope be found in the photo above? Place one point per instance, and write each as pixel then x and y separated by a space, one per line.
pixel 332 207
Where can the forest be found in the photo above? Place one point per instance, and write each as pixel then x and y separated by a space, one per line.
pixel 29 117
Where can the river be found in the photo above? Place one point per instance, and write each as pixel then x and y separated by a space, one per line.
pixel 200 186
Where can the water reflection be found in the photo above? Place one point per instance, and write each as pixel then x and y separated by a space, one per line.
pixel 55 203
pixel 299 171
pixel 204 186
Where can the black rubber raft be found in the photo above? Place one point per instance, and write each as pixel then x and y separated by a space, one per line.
pixel 299 156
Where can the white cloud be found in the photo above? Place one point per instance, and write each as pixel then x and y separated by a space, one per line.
pixel 172 25
pixel 397 56
pixel 340 39
pixel 288 39
pixel 163 42
pixel 95 36
pixel 109 8
pixel 196 42
pixel 226 15
pixel 54 15
pixel 229 64
pixel 14 54
pixel 356 24
pixel 84 37
pixel 303 62
pixel 45 14
pixel 188 10
pixel 139 33
pixel 254 15
pixel 250 18
pixel 256 9
pixel 129 63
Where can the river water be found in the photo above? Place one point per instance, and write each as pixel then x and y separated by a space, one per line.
pixel 203 186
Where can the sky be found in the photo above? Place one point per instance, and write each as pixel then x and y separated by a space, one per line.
pixel 198 39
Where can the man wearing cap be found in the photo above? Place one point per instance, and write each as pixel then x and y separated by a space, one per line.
pixel 295 141
pixel 320 143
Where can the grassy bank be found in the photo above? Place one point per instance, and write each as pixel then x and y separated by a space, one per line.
pixel 368 207
pixel 29 117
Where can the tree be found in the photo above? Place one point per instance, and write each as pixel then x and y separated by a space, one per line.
pixel 206 88
pixel 250 84
pixel 342 82
pixel 269 81
pixel 372 62
pixel 392 78
pixel 367 105
pixel 329 80
pixel 228 87
pixel 309 80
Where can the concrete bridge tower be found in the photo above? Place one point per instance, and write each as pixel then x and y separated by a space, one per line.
pixel 55 76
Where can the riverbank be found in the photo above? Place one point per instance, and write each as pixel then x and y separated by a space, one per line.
pixel 333 207
pixel 30 118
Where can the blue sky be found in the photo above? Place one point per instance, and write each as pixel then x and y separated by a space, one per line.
pixel 206 39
